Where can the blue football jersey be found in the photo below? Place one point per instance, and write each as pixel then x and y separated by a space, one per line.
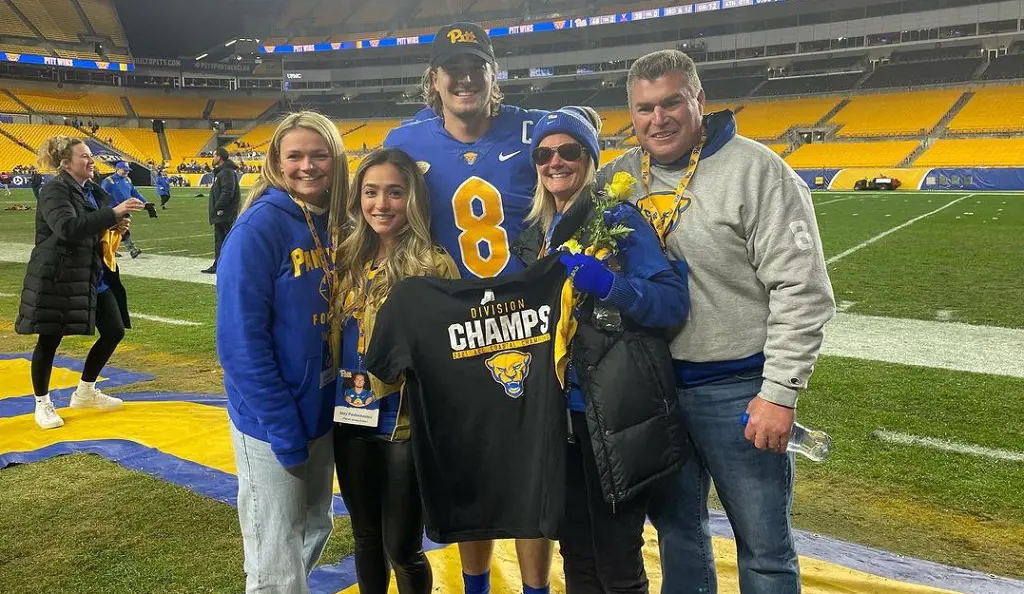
pixel 480 193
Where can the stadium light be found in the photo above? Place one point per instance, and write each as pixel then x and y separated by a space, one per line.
pixel 230 43
pixel 201 56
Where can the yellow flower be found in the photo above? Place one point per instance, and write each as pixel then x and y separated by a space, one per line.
pixel 572 246
pixel 621 186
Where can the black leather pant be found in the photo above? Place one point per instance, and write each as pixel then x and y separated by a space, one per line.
pixel 378 483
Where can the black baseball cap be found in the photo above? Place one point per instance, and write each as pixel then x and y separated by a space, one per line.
pixel 461 39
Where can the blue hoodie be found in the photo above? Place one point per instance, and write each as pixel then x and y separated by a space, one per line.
pixel 163 185
pixel 120 188
pixel 272 327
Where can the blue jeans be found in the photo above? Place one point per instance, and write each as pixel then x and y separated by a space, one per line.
pixel 285 514
pixel 755 488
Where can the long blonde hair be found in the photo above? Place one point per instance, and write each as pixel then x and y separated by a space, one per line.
pixel 271 175
pixel 412 253
pixel 542 209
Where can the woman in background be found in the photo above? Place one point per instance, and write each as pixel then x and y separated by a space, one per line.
pixel 71 285
pixel 274 282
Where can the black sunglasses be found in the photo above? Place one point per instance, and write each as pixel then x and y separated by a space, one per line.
pixel 570 151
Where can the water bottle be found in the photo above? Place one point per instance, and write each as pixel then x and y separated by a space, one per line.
pixel 811 443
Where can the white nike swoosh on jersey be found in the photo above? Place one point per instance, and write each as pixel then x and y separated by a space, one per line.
pixel 503 157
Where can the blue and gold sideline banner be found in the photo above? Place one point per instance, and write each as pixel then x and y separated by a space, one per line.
pixel 65 62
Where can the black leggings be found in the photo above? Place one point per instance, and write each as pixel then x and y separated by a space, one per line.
pixel 378 483
pixel 111 329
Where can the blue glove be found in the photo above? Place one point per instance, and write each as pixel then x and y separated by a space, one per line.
pixel 590 275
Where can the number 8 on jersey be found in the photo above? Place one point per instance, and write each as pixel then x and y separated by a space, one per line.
pixel 479 214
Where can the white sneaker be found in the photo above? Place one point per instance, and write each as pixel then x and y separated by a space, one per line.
pixel 46 415
pixel 96 399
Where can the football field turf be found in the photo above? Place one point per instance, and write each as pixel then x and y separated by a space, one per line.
pixel 928 459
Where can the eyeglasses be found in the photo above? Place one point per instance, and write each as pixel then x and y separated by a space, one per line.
pixel 570 151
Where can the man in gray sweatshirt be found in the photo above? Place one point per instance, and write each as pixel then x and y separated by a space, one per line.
pixel 760 295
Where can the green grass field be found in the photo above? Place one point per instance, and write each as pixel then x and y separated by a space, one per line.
pixel 963 263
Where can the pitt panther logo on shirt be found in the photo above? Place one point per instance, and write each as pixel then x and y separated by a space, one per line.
pixel 510 369
pixel 460 36
pixel 657 209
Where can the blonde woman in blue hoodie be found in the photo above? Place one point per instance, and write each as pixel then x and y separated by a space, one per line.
pixel 274 284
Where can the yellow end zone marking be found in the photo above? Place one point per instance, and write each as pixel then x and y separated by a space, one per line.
pixel 16 378
pixel 818 577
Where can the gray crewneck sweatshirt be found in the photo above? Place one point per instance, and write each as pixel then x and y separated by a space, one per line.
pixel 757 274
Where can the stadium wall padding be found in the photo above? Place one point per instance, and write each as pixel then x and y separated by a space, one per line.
pixel 808 175
pixel 974 178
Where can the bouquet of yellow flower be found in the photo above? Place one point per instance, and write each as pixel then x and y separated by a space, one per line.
pixel 604 239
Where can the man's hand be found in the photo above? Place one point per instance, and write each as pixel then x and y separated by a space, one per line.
pixel 123 225
pixel 769 425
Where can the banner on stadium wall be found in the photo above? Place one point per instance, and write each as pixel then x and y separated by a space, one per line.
pixel 102 153
pixel 65 62
pixel 974 178
pixel 559 25
pixel 811 177
pixel 20 180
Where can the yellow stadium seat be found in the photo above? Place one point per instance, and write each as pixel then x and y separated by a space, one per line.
pixel 615 121
pixel 992 110
pixel 256 138
pixel 71 103
pixel 777 147
pixel 771 119
pixel 240 109
pixel 851 154
pixel 141 144
pixel 893 113
pixel 372 133
pixel 13 154
pixel 34 134
pixel 151 106
pixel 974 152
pixel 182 144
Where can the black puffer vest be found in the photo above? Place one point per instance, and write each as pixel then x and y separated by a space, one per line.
pixel 628 383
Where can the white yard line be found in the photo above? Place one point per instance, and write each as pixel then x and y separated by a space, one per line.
pixel 949 446
pixel 161 239
pixel 883 234
pixel 170 252
pixel 7 295
pixel 925 343
pixel 162 320
pixel 831 201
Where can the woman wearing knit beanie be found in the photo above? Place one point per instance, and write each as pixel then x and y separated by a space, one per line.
pixel 625 432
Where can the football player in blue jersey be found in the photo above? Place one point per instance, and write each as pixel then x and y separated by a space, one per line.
pixel 475 155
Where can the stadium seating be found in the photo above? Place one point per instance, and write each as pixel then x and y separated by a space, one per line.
pixel 778 147
pixel 154 106
pixel 103 17
pixel 57 20
pixel 1005 67
pixel 71 103
pixel 240 109
pixel 806 85
pixel 257 137
pixel 139 143
pixel 771 119
pixel 34 134
pixel 9 105
pixel 851 154
pixel 992 110
pixel 978 152
pixel 889 114
pixel 13 154
pixel 185 144
pixel 372 133
pixel 11 23
pixel 914 74
pixel 615 121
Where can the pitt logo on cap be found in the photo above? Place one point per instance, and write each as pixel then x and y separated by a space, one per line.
pixel 510 369
pixel 460 36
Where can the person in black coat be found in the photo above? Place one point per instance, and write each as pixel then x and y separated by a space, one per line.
pixel 225 196
pixel 36 182
pixel 68 288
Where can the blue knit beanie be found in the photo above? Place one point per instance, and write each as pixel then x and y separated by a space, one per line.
pixel 582 123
